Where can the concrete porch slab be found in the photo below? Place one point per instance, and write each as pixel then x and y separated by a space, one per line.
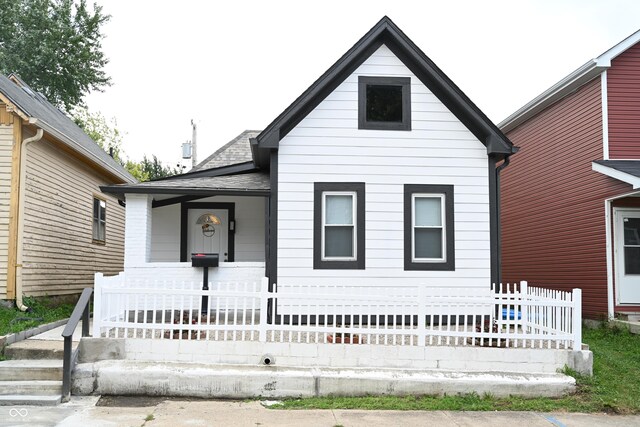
pixel 127 377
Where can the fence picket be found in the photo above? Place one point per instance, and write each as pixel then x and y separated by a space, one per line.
pixel 525 316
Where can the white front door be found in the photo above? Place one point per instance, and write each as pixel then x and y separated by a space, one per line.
pixel 205 236
pixel 627 255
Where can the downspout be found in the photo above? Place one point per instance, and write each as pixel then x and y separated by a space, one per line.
pixel 499 224
pixel 21 196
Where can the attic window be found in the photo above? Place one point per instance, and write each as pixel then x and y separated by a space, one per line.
pixel 384 103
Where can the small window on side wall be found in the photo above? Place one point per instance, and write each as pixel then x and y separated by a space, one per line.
pixel 338 239
pixel 99 220
pixel 384 103
pixel 428 227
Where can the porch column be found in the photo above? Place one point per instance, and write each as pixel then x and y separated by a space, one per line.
pixel 137 231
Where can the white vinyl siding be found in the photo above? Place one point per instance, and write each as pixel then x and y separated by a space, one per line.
pixel 327 146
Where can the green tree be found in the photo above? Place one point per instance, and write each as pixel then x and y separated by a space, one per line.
pixel 55 46
pixel 154 168
pixel 104 132
pixel 107 135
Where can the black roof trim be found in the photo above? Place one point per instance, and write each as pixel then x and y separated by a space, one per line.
pixel 123 189
pixel 386 32
pixel 222 170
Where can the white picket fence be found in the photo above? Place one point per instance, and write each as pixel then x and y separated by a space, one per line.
pixel 515 316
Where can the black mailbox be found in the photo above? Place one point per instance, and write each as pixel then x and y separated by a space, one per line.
pixel 204 260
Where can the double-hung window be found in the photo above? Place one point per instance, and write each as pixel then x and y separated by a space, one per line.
pixel 429 237
pixel 99 220
pixel 338 226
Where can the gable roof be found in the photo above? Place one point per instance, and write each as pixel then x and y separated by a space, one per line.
pixel 582 75
pixel 233 152
pixel 36 110
pixel 387 33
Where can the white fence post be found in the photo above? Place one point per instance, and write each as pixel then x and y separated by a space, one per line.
pixel 264 306
pixel 577 319
pixel 97 304
pixel 524 312
pixel 422 304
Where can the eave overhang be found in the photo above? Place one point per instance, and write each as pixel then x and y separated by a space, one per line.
pixel 612 168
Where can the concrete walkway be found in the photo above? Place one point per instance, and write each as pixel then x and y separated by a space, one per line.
pixel 149 412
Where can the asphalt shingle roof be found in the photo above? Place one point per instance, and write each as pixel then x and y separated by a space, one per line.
pixel 35 105
pixel 252 181
pixel 233 152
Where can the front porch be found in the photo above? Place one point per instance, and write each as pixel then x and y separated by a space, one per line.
pixel 515 328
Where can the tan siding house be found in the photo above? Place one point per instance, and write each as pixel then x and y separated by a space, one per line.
pixel 56 227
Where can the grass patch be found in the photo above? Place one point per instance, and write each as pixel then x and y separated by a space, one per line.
pixel 614 388
pixel 43 310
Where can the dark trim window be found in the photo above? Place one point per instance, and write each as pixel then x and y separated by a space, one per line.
pixel 338 225
pixel 384 103
pixel 99 220
pixel 428 227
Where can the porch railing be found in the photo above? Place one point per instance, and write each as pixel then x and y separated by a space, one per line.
pixel 513 315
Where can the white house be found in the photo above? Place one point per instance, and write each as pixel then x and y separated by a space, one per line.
pixel 371 203
pixel 381 174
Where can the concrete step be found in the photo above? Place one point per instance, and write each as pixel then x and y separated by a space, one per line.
pixel 29 400
pixel 36 349
pixel 31 370
pixel 629 316
pixel 30 388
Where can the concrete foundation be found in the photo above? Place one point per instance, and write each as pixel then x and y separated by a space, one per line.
pixel 252 353
pixel 126 377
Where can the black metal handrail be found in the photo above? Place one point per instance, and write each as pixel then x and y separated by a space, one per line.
pixel 81 311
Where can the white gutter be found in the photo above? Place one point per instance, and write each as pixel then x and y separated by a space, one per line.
pixel 77 147
pixel 608 247
pixel 605 115
pixel 21 196
pixel 567 85
pixel 570 83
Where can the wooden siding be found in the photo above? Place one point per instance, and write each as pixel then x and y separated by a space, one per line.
pixel 327 146
pixel 623 92
pixel 6 145
pixel 553 226
pixel 249 237
pixel 59 256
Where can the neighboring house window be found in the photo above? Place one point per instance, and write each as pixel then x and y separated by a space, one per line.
pixel 428 227
pixel 99 220
pixel 338 238
pixel 384 103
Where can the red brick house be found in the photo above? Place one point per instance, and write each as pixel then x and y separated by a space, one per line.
pixel 571 198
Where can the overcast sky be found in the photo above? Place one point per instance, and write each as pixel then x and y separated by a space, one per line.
pixel 236 65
